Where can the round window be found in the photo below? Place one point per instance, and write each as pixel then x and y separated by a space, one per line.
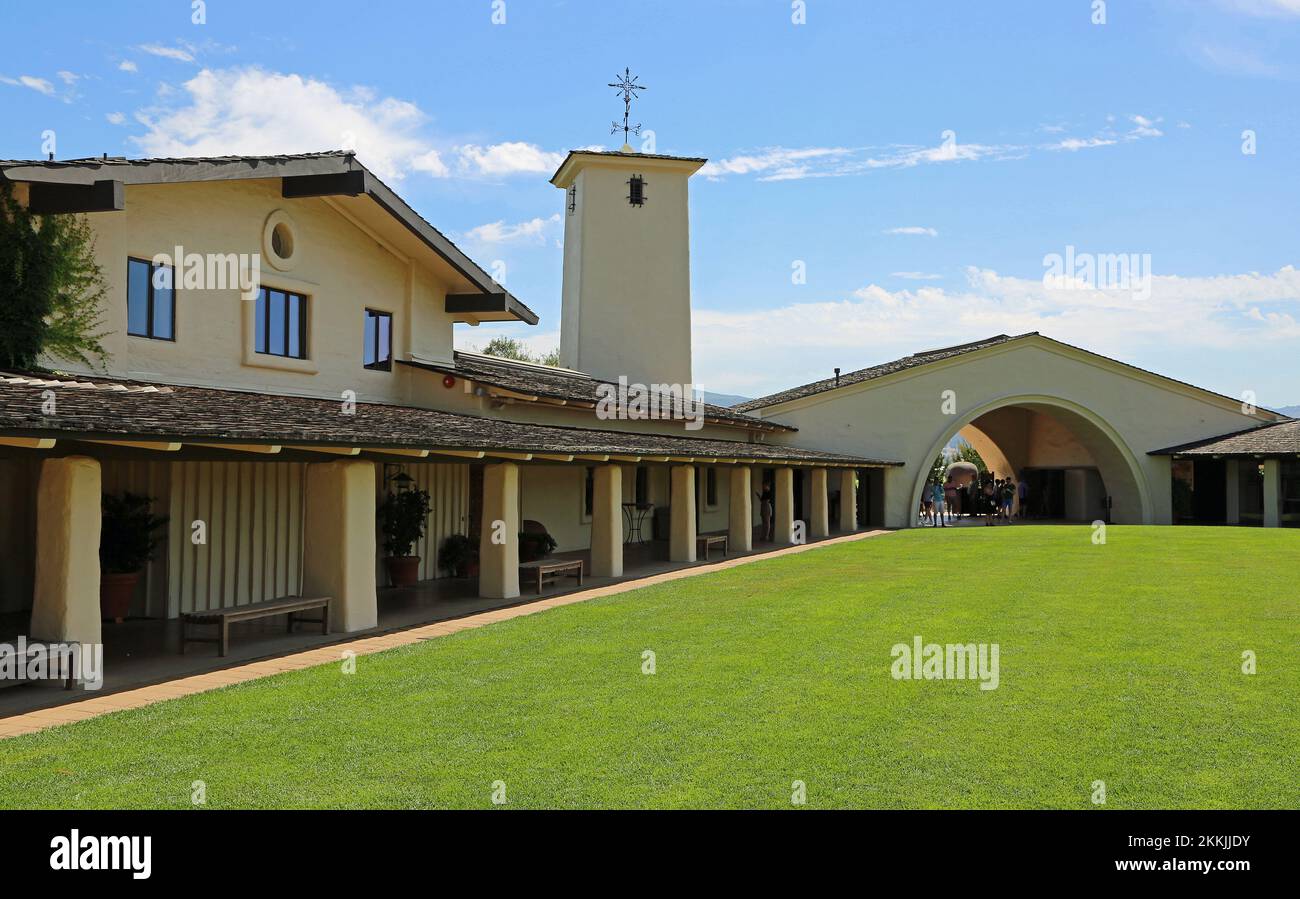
pixel 280 240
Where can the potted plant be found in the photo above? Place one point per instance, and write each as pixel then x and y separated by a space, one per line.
pixel 534 546
pixel 128 539
pixel 402 516
pixel 458 555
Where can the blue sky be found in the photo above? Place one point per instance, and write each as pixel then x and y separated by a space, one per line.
pixel 827 142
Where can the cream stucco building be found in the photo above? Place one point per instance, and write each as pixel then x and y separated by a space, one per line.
pixel 280 355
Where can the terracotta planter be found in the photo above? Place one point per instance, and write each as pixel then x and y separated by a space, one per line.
pixel 403 571
pixel 115 594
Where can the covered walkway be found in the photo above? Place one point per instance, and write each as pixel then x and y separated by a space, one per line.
pixel 143 664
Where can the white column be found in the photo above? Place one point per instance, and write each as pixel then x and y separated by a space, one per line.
pixel 1232 476
pixel 498 547
pixel 740 511
pixel 820 525
pixel 681 543
pixel 338 553
pixel 607 522
pixel 65 604
pixel 848 501
pixel 783 525
pixel 1272 493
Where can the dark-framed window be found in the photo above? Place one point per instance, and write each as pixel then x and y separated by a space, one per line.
pixel 280 327
pixel 150 300
pixel 589 493
pixel 641 493
pixel 378 351
pixel 636 190
pixel 710 487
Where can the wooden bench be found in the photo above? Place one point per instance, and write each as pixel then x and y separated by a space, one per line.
pixel 223 618
pixel 548 570
pixel 706 542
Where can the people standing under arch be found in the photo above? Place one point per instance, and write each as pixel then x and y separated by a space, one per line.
pixel 937 505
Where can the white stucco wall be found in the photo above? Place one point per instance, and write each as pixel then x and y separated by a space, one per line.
pixel 1117 413
pixel 341 268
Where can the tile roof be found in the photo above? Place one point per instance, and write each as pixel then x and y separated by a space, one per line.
pixel 930 356
pixel 1278 439
pixel 875 371
pixel 175 170
pixel 564 384
pixel 95 408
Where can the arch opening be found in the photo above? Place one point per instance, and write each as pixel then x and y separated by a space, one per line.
pixel 1075 466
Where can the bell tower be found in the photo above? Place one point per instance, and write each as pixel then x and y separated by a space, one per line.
pixel 627 268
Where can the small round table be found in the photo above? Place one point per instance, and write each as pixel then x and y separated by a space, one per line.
pixel 636 514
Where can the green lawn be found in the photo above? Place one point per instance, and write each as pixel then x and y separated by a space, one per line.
pixel 1119 663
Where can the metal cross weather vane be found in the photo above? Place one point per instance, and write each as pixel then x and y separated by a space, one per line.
pixel 628 87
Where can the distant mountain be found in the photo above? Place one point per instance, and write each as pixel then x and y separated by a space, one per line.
pixel 1293 411
pixel 724 399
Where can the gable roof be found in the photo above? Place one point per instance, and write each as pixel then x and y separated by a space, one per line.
pixel 108 409
pixel 929 357
pixel 1277 439
pixel 875 371
pixel 331 173
pixel 542 382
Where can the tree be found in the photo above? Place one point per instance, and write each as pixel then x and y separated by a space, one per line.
pixel 962 452
pixel 510 348
pixel 51 287
pixel 966 453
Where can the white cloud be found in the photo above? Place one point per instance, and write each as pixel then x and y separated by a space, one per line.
pixel 176 53
pixel 532 231
pixel 913 230
pixel 1144 127
pixel 1081 143
pixel 1238 61
pixel 916 276
pixel 67 77
pixel 37 84
pixel 1263 7
pixel 115 118
pixel 1242 313
pixel 254 111
pixel 788 164
pixel 431 163
pixel 510 158
pixel 127 65
pixel 775 163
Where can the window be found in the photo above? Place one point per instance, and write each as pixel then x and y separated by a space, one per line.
pixel 150 300
pixel 280 322
pixel 711 487
pixel 636 190
pixel 378 351
pixel 642 492
pixel 589 494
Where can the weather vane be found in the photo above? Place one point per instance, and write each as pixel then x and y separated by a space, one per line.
pixel 628 87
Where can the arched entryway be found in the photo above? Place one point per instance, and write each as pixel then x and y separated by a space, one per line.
pixel 1057 444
